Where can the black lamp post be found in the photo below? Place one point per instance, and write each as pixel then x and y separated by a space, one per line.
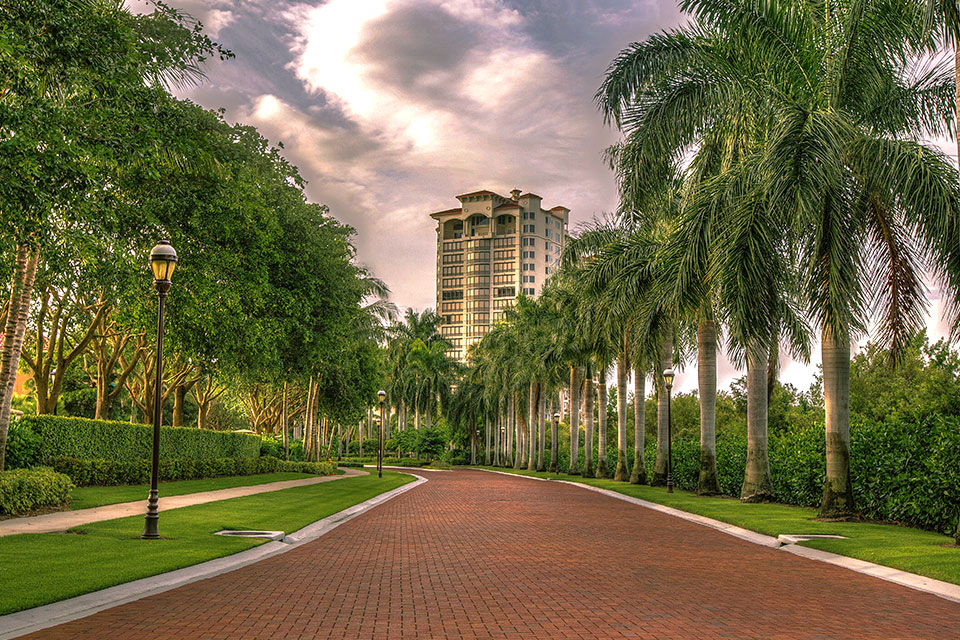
pixel 554 445
pixel 668 383
pixel 163 260
pixel 383 396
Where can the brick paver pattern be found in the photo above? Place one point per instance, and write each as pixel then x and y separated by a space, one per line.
pixel 478 555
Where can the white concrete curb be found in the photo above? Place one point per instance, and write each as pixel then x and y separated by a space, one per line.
pixel 945 590
pixel 37 618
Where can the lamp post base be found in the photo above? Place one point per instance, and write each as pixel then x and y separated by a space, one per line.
pixel 669 483
pixel 151 525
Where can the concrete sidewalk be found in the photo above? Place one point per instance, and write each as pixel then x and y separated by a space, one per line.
pixel 63 520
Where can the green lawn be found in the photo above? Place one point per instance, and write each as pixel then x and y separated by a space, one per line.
pixel 914 550
pixel 36 569
pixel 86 497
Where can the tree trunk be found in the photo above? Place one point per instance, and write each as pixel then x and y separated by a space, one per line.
pixel 496 438
pixel 179 397
pixel 518 419
pixel 511 428
pixel 541 430
pixel 838 490
pixel 574 468
pixel 486 434
pixel 285 426
pixel 532 428
pixel 21 290
pixel 666 362
pixel 757 483
pixel 639 473
pixel 588 427
pixel 707 385
pixel 622 472
pixel 602 424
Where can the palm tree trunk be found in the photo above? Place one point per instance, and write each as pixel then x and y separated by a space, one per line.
pixel 757 483
pixel 531 443
pixel 541 431
pixel 497 439
pixel 639 473
pixel 486 453
pixel 21 290
pixel 511 420
pixel 588 426
pixel 574 468
pixel 838 490
pixel 622 473
pixel 602 425
pixel 666 362
pixel 956 66
pixel 707 385
pixel 518 425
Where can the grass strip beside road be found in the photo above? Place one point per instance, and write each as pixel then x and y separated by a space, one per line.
pixel 37 569
pixel 922 552
pixel 87 497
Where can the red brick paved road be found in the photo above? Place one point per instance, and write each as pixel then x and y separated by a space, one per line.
pixel 479 555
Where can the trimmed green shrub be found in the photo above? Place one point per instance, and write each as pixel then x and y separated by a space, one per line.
pixel 124 442
pixel 23 446
pixel 22 490
pixel 270 446
pixel 902 472
pixel 111 472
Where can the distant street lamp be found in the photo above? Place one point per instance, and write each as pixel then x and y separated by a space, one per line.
pixel 383 396
pixel 163 260
pixel 554 463
pixel 668 383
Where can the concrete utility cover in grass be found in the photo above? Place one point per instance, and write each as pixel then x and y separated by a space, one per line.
pixel 794 538
pixel 269 535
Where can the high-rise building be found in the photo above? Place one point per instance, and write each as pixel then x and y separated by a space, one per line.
pixel 489 250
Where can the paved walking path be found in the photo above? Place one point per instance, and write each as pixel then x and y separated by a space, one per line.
pixel 478 555
pixel 63 520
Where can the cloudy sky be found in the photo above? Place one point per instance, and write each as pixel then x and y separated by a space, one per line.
pixel 390 108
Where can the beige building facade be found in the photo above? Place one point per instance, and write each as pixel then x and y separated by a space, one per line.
pixel 489 250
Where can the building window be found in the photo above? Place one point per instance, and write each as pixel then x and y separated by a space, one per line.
pixel 452 271
pixel 452 295
pixel 530 279
pixel 529 215
pixel 452 258
pixel 529 291
pixel 507 254
pixel 548 271
pixel 529 267
pixel 547 233
pixel 529 242
pixel 503 279
pixel 504 292
pixel 529 255
pixel 529 228
pixel 452 282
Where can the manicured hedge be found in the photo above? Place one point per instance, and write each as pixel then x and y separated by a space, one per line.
pixel 22 490
pixel 904 472
pixel 23 447
pixel 110 472
pixel 124 442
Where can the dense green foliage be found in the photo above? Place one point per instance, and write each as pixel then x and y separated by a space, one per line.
pixel 123 442
pixel 902 472
pixel 23 447
pixel 23 490
pixel 98 472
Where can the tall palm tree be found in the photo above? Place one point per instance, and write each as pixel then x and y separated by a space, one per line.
pixel 838 178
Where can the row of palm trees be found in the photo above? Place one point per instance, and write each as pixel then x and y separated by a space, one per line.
pixel 418 371
pixel 775 192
